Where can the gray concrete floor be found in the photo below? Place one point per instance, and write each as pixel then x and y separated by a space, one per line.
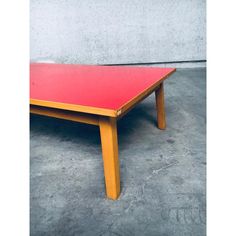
pixel 163 173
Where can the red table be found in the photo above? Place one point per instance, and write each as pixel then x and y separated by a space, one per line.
pixel 97 95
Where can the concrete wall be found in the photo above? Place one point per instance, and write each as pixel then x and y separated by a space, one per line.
pixel 122 31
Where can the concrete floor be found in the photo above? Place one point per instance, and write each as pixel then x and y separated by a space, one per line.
pixel 163 173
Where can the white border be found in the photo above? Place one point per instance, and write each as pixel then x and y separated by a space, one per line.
pixel 14 123
pixel 221 118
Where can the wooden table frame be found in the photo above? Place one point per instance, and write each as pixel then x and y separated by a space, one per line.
pixel 106 119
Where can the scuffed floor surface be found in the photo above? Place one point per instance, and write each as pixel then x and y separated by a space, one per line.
pixel 163 173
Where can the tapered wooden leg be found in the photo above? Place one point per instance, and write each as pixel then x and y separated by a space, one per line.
pixel 160 106
pixel 108 133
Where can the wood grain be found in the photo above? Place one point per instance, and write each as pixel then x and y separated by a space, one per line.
pixel 108 132
pixel 64 114
pixel 160 107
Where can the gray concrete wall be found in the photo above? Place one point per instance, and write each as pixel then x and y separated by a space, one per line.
pixel 110 32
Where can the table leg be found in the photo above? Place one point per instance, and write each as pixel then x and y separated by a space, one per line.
pixel 108 133
pixel 160 106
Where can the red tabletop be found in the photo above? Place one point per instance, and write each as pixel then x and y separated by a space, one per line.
pixel 107 87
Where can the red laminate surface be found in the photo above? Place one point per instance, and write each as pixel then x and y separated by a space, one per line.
pixel 107 87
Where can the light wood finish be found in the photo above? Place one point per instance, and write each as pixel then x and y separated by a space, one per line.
pixel 66 115
pixel 160 106
pixel 73 107
pixel 108 133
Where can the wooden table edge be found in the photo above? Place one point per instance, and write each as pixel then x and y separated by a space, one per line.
pixel 74 107
pixel 138 98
